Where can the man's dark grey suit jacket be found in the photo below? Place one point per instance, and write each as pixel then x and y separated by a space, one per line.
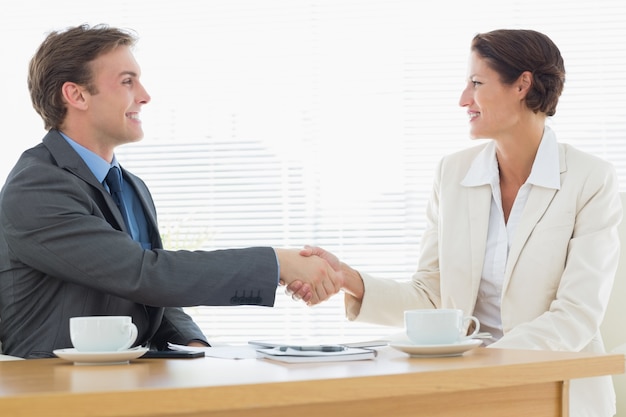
pixel 64 252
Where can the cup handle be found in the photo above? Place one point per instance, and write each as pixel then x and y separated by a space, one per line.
pixel 467 319
pixel 132 338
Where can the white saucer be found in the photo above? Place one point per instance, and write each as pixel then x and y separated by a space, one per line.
pixel 431 351
pixel 100 358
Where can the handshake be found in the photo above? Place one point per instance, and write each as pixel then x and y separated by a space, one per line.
pixel 310 274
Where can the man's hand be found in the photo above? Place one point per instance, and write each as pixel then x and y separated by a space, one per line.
pixel 312 278
pixel 351 280
pixel 299 290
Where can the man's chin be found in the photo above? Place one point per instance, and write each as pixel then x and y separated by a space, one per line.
pixel 137 137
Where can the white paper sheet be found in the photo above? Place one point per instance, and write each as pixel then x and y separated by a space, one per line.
pixel 223 352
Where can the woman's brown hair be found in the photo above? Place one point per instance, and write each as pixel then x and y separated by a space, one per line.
pixel 510 52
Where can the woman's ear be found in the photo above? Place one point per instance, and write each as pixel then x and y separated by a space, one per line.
pixel 524 82
pixel 74 95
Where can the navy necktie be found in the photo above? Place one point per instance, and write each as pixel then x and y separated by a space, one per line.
pixel 114 181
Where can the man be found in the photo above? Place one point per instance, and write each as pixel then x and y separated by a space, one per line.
pixel 72 243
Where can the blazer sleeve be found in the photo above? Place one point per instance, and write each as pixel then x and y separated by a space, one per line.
pixel 176 327
pixel 385 300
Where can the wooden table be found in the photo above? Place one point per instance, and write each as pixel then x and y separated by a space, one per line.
pixel 485 382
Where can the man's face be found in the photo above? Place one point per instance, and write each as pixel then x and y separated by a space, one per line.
pixel 117 98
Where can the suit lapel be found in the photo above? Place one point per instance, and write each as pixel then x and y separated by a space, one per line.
pixel 479 207
pixel 539 200
pixel 147 206
pixel 143 197
pixel 67 159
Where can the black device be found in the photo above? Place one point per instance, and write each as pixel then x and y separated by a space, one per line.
pixel 172 354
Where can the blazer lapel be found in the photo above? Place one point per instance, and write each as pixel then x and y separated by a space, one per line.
pixel 69 160
pixel 479 207
pixel 147 206
pixel 539 200
pixel 66 158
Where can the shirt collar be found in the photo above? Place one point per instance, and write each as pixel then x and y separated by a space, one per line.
pixel 98 166
pixel 544 173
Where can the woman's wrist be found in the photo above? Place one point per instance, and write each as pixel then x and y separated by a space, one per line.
pixel 352 282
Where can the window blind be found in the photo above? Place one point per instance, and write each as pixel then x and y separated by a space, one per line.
pixel 284 123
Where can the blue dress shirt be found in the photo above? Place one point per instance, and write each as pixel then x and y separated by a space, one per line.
pixel 99 167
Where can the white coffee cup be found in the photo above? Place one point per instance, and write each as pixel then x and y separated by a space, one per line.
pixel 102 333
pixel 438 326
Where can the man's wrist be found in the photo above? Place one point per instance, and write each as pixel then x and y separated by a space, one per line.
pixel 277 267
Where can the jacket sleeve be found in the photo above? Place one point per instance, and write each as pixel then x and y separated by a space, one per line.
pixel 176 327
pixel 58 224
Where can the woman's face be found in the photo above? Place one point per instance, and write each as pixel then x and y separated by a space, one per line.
pixel 494 108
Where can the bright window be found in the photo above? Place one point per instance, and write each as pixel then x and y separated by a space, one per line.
pixel 284 123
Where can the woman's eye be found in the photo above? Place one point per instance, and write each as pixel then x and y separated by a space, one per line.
pixel 476 83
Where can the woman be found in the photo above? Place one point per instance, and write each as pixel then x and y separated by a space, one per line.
pixel 521 230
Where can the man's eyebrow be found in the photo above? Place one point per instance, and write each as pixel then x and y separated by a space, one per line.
pixel 131 73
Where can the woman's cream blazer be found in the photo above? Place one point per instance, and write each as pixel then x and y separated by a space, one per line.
pixel 559 272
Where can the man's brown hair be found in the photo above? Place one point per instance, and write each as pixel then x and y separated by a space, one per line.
pixel 65 56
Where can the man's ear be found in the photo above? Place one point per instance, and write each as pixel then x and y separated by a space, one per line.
pixel 74 95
